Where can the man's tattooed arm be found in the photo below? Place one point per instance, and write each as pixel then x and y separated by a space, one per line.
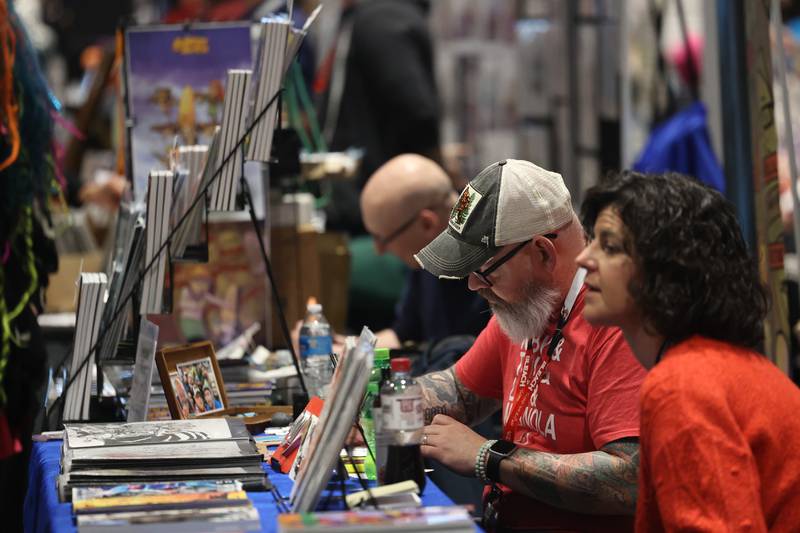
pixel 601 482
pixel 443 393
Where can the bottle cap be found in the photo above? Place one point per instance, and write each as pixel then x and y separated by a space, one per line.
pixel 381 354
pixel 401 364
pixel 314 308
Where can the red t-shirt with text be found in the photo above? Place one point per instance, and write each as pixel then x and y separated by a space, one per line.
pixel 588 397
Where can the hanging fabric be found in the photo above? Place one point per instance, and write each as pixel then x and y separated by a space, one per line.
pixel 681 142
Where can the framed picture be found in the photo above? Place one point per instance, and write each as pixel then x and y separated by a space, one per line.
pixel 192 381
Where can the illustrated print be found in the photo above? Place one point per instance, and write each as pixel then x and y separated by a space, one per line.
pixel 126 434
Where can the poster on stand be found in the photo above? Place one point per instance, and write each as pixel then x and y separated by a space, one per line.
pixel 220 299
pixel 175 87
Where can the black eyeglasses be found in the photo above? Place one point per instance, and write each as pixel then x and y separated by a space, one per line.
pixel 483 275
pixel 383 241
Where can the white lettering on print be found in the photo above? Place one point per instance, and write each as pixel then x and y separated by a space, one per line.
pixel 532 419
pixel 550 428
pixel 531 359
pixel 546 378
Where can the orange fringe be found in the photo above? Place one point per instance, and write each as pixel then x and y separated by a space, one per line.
pixel 8 104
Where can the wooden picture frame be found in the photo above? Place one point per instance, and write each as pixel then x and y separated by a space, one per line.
pixel 186 370
pixel 170 360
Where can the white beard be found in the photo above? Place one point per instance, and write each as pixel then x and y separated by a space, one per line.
pixel 528 318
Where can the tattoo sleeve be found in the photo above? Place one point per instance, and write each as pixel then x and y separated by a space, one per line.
pixel 601 482
pixel 443 393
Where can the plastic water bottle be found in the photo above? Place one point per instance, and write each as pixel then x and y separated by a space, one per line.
pixel 316 347
pixel 369 422
pixel 402 424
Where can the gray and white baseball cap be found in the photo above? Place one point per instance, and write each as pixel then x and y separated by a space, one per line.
pixel 508 202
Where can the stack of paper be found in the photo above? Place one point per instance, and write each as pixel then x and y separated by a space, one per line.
pixel 159 204
pixel 267 79
pixel 223 191
pixel 91 301
pixel 190 232
pixel 126 265
pixel 190 164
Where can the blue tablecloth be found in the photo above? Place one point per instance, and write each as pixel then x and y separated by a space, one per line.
pixel 45 514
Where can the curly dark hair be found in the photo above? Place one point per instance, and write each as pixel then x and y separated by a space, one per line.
pixel 698 277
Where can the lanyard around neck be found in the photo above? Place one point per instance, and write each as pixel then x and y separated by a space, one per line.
pixel 569 303
pixel 532 388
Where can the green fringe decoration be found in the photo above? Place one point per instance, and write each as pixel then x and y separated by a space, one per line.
pixel 30 266
pixel 25 231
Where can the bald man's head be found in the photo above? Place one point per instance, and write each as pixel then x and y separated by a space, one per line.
pixel 407 188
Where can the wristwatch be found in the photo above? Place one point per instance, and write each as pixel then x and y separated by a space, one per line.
pixel 497 452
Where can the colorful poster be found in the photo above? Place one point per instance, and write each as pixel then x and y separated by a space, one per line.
pixel 764 143
pixel 220 299
pixel 175 77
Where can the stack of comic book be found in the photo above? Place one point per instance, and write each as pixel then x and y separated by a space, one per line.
pixel 181 506
pixel 164 451
pixel 440 519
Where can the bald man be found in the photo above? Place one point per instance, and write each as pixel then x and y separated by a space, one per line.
pixel 405 204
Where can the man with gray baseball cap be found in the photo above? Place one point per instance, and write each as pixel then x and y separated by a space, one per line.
pixel 505 204
pixel 568 391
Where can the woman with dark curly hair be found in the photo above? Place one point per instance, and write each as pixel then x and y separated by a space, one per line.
pixel 719 425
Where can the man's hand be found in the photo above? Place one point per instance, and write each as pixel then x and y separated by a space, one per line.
pixel 452 443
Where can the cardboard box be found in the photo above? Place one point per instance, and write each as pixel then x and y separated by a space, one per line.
pixel 307 263
pixel 61 295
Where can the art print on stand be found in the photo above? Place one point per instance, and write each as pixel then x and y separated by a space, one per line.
pixel 143 433
pixel 175 78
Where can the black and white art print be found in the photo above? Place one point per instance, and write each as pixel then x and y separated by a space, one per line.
pixel 156 432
